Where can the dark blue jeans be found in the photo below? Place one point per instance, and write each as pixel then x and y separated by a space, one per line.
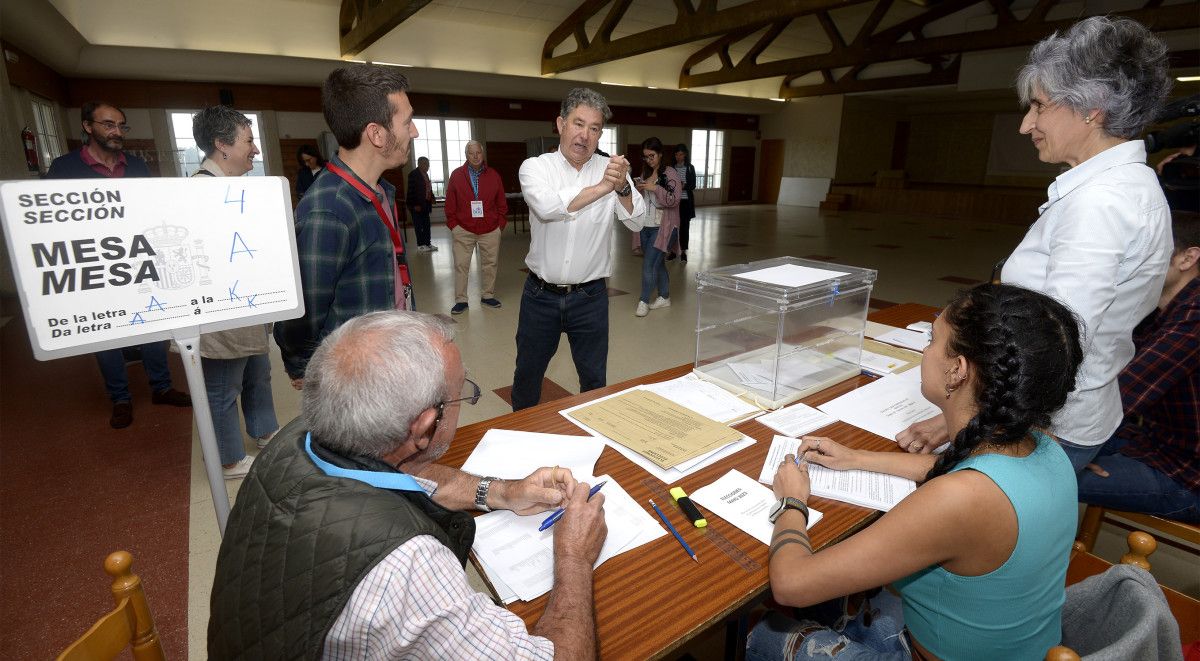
pixel 116 381
pixel 421 227
pixel 226 380
pixel 545 316
pixel 654 267
pixel 1135 487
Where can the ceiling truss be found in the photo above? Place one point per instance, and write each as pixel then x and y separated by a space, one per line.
pixel 846 67
pixel 363 22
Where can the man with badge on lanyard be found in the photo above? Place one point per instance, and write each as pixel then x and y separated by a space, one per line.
pixel 350 251
pixel 475 214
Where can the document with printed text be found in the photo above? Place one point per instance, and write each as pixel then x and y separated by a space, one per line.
pixel 886 406
pixel 797 420
pixel 511 455
pixel 878 491
pixel 744 503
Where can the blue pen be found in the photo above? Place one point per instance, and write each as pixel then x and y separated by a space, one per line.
pixel 557 514
pixel 675 532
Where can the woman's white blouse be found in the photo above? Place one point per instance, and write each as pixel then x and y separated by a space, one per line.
pixel 1101 246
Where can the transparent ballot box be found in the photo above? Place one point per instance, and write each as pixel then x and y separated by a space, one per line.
pixel 779 329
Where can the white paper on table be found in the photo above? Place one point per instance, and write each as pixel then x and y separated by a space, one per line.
pixel 744 503
pixel 753 373
pixel 886 406
pixel 512 455
pixel 666 475
pixel 511 549
pixel 878 491
pixel 905 338
pixel 790 275
pixel 503 593
pixel 875 363
pixel 705 398
pixel 797 420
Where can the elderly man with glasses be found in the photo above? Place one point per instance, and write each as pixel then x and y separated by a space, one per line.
pixel 348 541
pixel 103 155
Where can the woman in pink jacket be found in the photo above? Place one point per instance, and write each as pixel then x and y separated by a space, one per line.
pixel 660 226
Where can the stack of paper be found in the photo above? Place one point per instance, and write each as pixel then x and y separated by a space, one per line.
pixel 797 420
pixel 512 455
pixel 707 399
pixel 667 475
pixel 744 503
pixel 790 275
pixel 519 561
pixel 886 406
pixel 908 339
pixel 879 358
pixel 878 491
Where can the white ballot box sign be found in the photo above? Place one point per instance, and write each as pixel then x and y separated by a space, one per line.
pixel 105 263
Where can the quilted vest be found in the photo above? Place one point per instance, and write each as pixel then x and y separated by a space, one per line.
pixel 298 542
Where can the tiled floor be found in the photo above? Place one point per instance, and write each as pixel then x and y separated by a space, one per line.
pixel 911 268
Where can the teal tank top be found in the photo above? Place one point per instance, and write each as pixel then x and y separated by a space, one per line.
pixel 1014 611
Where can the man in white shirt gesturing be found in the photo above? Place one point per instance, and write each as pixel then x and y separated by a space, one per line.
pixel 573 195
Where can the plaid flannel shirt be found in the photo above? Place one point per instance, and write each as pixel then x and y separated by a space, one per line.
pixel 1160 390
pixel 347 264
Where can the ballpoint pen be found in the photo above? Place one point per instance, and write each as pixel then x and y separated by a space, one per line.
pixel 687 549
pixel 557 514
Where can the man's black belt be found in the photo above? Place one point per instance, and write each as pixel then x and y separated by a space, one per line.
pixel 561 290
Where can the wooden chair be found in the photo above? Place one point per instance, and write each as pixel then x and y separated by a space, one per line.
pixel 1083 564
pixel 130 624
pixel 1094 516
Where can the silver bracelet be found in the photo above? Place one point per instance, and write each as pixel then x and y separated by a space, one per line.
pixel 481 494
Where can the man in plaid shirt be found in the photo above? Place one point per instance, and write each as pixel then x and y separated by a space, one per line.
pixel 1152 462
pixel 351 257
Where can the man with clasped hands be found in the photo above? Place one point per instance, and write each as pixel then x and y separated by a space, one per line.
pixel 573 195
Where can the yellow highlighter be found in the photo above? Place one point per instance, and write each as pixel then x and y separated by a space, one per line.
pixel 688 507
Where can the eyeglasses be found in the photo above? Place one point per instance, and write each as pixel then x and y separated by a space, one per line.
pixel 110 125
pixel 471 399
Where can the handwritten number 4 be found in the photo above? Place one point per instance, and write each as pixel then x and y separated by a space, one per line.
pixel 240 200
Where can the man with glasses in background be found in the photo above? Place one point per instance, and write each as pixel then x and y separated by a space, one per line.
pixel 103 155
pixel 348 541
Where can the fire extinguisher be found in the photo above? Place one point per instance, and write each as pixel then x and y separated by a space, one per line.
pixel 31 155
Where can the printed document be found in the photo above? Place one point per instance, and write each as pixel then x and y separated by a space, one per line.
pixel 886 406
pixel 880 359
pixel 905 338
pixel 514 554
pixel 744 503
pixel 655 427
pixel 512 455
pixel 878 491
pixel 797 420
pixel 790 275
pixel 707 399
pixel 666 475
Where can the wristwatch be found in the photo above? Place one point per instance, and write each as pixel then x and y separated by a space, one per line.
pixel 624 192
pixel 481 494
pixel 785 504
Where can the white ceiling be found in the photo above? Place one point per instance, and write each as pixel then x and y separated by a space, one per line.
pixel 478 47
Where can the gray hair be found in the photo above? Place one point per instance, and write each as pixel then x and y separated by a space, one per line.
pixel 1112 64
pixel 477 143
pixel 370 378
pixel 582 96
pixel 217 123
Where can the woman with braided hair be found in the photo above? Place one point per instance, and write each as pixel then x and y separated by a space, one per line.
pixel 978 553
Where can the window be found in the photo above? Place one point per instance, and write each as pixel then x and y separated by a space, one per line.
pixel 708 157
pixel 444 143
pixel 608 141
pixel 49 135
pixel 187 154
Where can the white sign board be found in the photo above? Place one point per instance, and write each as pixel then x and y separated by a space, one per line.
pixel 105 263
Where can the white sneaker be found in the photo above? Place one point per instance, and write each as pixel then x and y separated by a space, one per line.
pixel 262 441
pixel 660 302
pixel 238 470
pixel 423 249
pixel 432 248
pixel 642 309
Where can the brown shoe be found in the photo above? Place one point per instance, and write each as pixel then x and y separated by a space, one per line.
pixel 172 397
pixel 122 415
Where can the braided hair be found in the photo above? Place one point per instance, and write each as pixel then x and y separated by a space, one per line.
pixel 1025 350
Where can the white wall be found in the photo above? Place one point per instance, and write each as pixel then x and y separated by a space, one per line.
pixel 810 128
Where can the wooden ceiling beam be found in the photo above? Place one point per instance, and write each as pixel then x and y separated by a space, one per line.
pixel 849 82
pixel 363 22
pixel 886 47
pixel 702 22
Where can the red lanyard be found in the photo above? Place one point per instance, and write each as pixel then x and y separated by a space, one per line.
pixel 397 243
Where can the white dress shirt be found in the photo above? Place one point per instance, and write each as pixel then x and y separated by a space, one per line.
pixel 570 248
pixel 416 604
pixel 1101 247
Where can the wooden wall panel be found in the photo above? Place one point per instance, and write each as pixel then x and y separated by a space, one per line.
pixel 30 74
pixel 506 159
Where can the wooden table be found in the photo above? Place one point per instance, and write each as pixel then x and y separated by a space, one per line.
pixel 651 600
